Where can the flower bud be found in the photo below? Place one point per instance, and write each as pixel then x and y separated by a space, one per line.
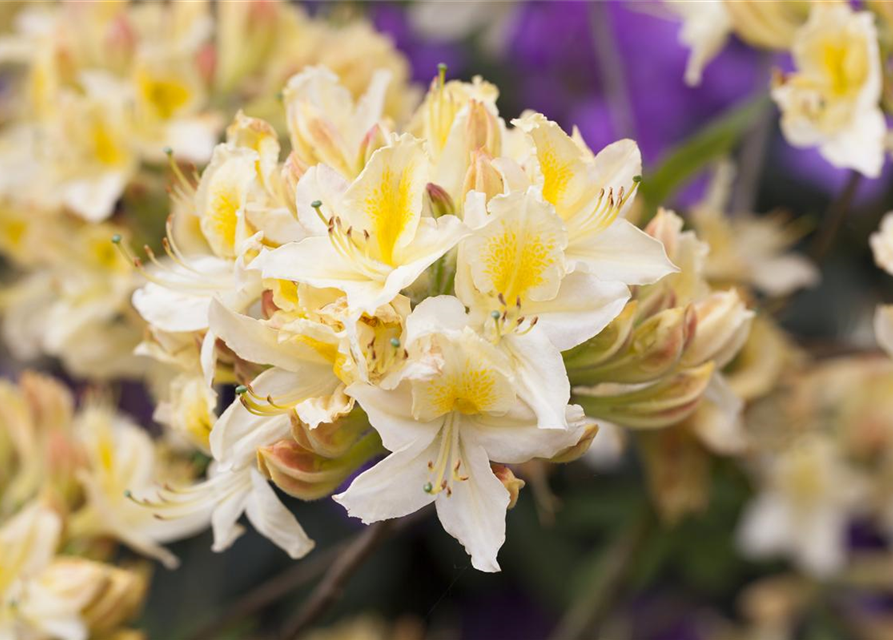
pixel 512 484
pixel 439 201
pixel 375 139
pixel 305 474
pixel 607 344
pixel 292 171
pixel 655 348
pixel 482 176
pixel 482 130
pixel 723 324
pixel 333 439
pixel 657 405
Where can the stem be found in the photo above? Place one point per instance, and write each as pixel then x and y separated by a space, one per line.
pixel 333 583
pixel 602 588
pixel 271 591
pixel 834 217
pixel 753 152
pixel 610 65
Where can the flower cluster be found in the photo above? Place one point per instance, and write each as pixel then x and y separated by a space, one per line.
pixel 97 96
pixel 64 510
pixel 431 282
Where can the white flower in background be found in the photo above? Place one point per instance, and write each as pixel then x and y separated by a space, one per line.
pixel 803 509
pixel 832 100
pixel 881 242
pixel 748 249
pixel 123 470
pixel 706 27
pixel 28 543
pixel 454 410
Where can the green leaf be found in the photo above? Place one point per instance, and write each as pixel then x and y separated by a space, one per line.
pixel 714 141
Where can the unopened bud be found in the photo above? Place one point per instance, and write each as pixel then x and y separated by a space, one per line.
pixel 723 324
pixel 375 139
pixel 331 439
pixel 666 226
pixel 482 176
pixel 307 475
pixel 292 171
pixel 512 484
pixel 439 200
pixel 655 348
pixel 482 130
pixel 608 343
pixel 657 405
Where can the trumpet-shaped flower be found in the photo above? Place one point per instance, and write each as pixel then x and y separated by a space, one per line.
pixel 591 194
pixel 453 411
pixel 370 240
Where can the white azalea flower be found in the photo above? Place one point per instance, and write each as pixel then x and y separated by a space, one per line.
pixel 444 422
pixel 591 194
pixel 803 511
pixel 372 241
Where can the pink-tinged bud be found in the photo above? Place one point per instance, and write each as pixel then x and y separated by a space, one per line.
pixel 482 130
pixel 332 439
pixel 607 344
pixel 658 405
pixel 576 452
pixel 375 139
pixel 439 201
pixel 307 475
pixel 482 176
pixel 658 299
pixel 292 171
pixel 666 226
pixel 512 484
pixel 723 324
pixel 655 348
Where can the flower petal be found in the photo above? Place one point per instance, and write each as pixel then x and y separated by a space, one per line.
pixel 474 513
pixel 622 253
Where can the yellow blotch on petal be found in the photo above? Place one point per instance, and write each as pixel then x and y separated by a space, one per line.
pixel 164 96
pixel 221 219
pixel 556 175
pixel 516 266
pixel 390 208
pixel 470 392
